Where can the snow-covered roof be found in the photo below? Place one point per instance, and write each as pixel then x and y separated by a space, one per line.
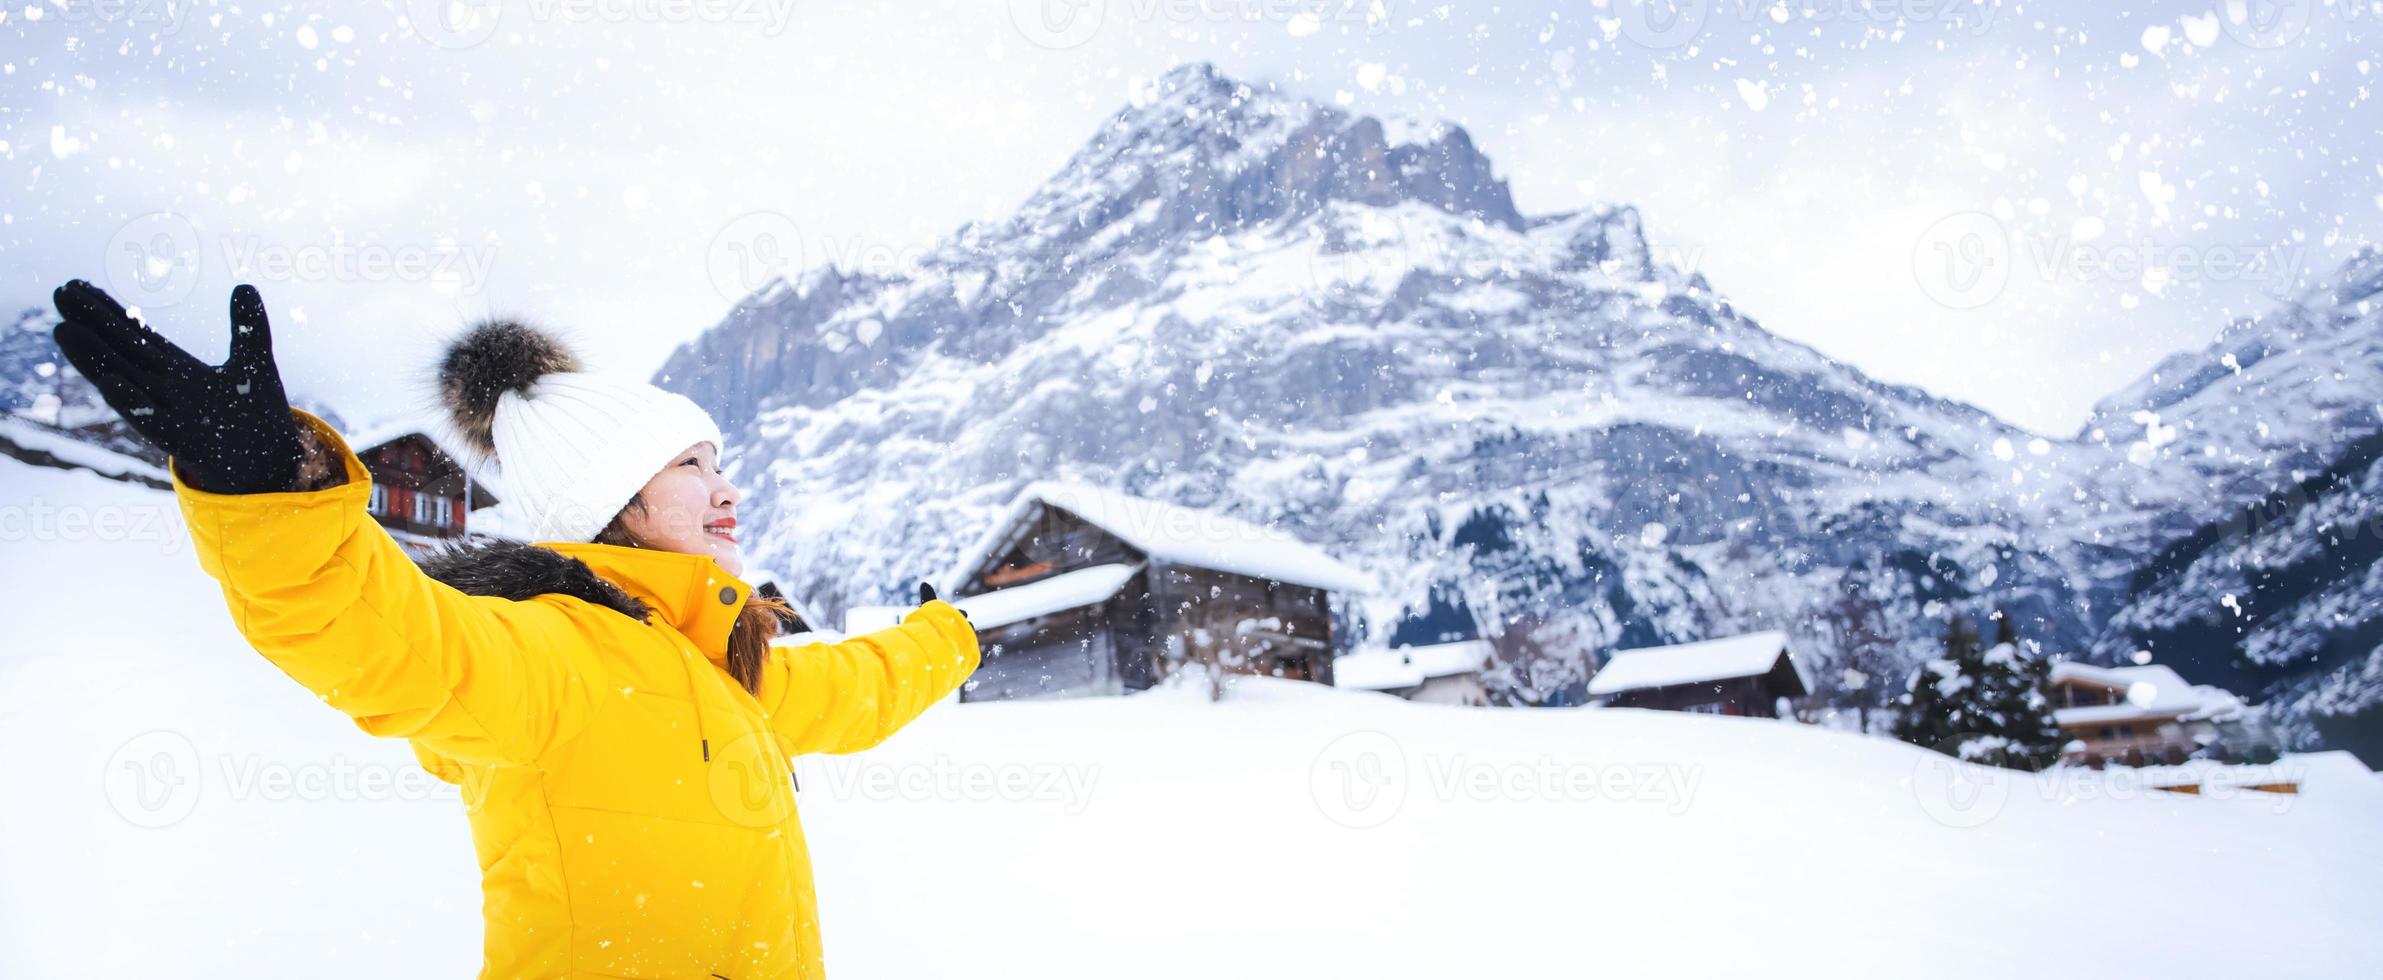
pixel 1067 590
pixel 2152 691
pixel 364 437
pixel 1393 668
pixel 1178 535
pixel 74 452
pixel 1729 657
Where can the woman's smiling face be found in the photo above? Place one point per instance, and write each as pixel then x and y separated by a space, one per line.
pixel 689 508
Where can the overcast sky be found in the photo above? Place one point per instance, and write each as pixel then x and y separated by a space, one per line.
pixel 2021 206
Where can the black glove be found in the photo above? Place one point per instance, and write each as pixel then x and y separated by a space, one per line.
pixel 926 594
pixel 228 428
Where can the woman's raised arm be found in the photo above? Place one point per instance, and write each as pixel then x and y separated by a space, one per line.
pixel 848 696
pixel 276 505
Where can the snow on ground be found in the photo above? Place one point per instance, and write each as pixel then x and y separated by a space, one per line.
pixel 175 807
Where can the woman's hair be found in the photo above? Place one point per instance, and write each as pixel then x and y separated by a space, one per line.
pixel 756 624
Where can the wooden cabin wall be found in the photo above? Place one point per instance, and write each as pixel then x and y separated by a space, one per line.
pixel 1751 696
pixel 1133 619
pixel 1070 655
pixel 1185 596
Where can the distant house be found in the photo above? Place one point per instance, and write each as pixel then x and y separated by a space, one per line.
pixel 1082 591
pixel 1441 673
pixel 2134 715
pixel 1735 675
pixel 803 622
pixel 420 493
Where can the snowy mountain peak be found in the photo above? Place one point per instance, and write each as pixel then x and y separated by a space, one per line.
pixel 1199 152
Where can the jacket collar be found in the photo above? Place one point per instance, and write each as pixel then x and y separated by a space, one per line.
pixel 692 593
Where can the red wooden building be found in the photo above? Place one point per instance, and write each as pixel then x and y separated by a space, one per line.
pixel 420 490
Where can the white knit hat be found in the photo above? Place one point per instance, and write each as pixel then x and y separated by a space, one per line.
pixel 574 446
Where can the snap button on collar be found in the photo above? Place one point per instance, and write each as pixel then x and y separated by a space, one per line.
pixel 728 595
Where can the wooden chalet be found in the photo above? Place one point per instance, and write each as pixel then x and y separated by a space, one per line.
pixel 2140 715
pixel 1735 675
pixel 1081 591
pixel 420 491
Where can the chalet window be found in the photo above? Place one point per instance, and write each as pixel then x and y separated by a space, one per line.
pixel 2080 696
pixel 379 504
pixel 443 511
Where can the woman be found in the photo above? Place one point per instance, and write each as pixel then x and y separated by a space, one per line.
pixel 607 698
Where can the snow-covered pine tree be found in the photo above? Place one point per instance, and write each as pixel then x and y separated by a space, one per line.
pixel 1980 703
pixel 1931 714
pixel 2013 695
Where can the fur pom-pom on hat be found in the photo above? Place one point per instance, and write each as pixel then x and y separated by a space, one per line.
pixel 574 446
pixel 493 357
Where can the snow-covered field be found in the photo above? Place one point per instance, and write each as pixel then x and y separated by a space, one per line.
pixel 171 806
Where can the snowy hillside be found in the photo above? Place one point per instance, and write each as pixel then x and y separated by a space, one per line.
pixel 2271 401
pixel 178 808
pixel 2281 600
pixel 1234 298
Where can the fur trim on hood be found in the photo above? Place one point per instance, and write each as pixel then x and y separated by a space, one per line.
pixel 517 571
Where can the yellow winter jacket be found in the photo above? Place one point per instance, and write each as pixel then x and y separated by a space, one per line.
pixel 631 803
